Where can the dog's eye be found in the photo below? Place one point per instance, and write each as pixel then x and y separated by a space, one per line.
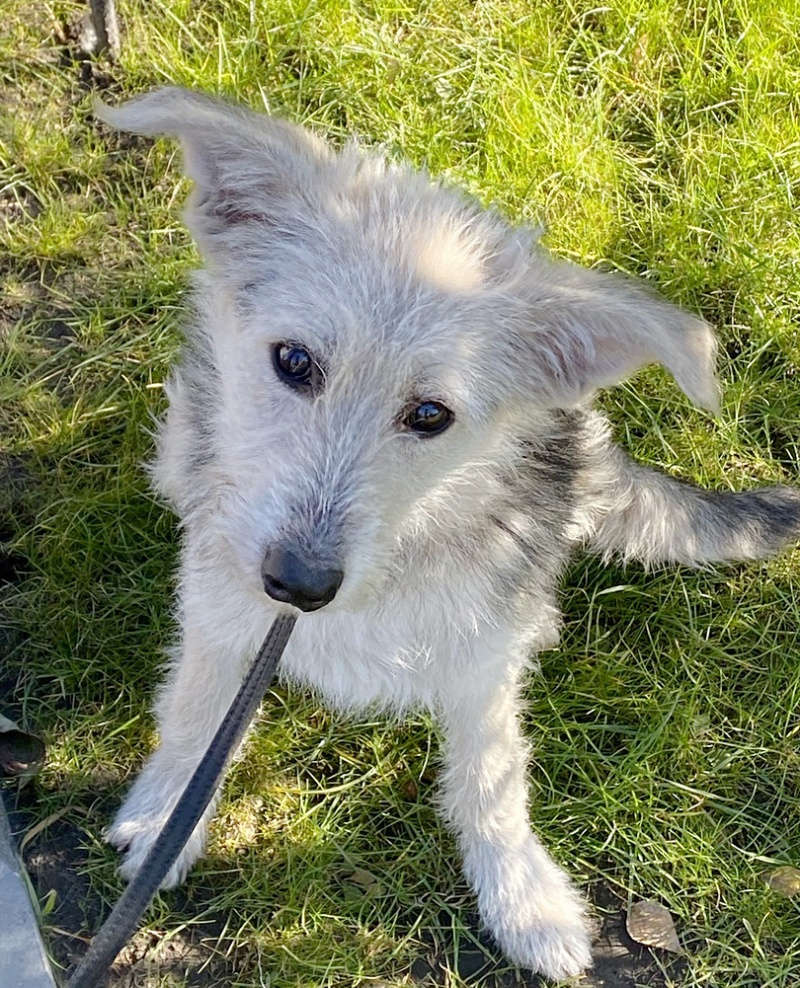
pixel 428 418
pixel 296 367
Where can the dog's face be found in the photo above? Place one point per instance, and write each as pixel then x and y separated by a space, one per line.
pixel 362 384
pixel 372 339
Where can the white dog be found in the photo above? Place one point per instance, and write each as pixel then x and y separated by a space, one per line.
pixel 380 418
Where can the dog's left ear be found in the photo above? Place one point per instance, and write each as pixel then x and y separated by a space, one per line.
pixel 587 330
pixel 248 168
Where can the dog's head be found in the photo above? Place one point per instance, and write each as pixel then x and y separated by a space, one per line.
pixel 371 339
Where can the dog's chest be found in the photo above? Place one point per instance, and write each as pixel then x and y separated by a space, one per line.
pixel 405 653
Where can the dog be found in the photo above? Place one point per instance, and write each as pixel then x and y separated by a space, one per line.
pixel 382 418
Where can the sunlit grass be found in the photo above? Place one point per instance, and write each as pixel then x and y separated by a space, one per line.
pixel 662 139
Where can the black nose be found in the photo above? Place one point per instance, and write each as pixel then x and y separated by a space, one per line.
pixel 302 582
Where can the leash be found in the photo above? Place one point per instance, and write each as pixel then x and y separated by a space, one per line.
pixel 125 916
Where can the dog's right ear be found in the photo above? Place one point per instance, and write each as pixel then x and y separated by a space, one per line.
pixel 247 167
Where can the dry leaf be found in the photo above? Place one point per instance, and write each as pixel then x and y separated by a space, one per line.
pixel 362 882
pixel 784 880
pixel 651 924
pixel 639 53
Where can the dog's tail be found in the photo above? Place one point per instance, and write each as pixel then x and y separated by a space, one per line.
pixel 653 518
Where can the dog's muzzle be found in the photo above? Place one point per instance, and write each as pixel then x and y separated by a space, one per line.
pixel 301 582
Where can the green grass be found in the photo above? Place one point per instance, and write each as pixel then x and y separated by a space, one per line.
pixel 661 138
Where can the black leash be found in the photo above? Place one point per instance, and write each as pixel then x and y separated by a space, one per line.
pixel 125 916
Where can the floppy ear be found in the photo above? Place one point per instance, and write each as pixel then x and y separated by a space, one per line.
pixel 587 330
pixel 247 167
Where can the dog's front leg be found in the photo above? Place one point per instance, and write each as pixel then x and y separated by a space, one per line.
pixel 204 678
pixel 525 899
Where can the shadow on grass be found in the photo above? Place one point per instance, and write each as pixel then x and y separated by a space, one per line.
pixel 201 947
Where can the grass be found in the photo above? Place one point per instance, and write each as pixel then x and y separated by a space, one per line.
pixel 661 138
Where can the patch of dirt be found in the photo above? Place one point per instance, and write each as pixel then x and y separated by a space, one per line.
pixel 148 958
pixel 56 862
pixel 619 962
pixel 18 204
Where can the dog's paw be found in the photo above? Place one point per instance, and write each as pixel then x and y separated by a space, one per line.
pixel 134 836
pixel 537 916
pixel 559 949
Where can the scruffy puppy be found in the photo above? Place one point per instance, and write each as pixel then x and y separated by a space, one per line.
pixel 381 418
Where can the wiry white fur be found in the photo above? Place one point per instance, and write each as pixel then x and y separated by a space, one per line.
pixel 451 546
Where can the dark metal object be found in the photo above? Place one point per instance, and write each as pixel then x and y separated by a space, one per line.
pixel 21 754
pixel 23 961
pixel 103 35
pixel 124 918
